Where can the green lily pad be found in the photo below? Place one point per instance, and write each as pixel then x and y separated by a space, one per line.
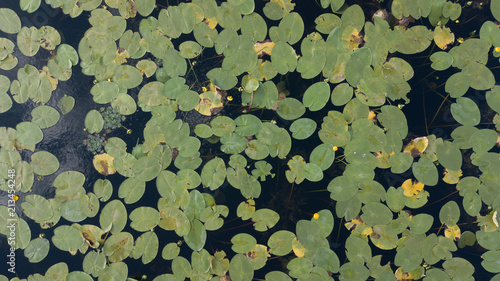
pixel 9 21
pixel 204 35
pixel 105 92
pixel 67 238
pixel 177 65
pixel 441 61
pixel 233 143
pixel 457 85
pixel 458 268
pixel 66 104
pixel 283 58
pixel 483 140
pixel 323 155
pixel 488 240
pixel 197 236
pixel 247 125
pixel 28 40
pixel 213 173
pixel 146 247
pixel 353 16
pixel 118 246
pixel 342 188
pixel 290 109
pixel 145 7
pixel 146 168
pixel 189 49
pixel 50 38
pixel 375 213
pixel 273 11
pixel 240 268
pixel 131 190
pixel 255 26
pixel 44 116
pixel 299 267
pixel 71 211
pixel 481 76
pixel 127 76
pixel 229 16
pixel 94 121
pixel 449 213
pixel 124 103
pixel 113 216
pixel 341 94
pixel 316 96
pixel 425 171
pixel 243 243
pixel 37 207
pixel 5 102
pixel 303 128
pixel 222 78
pixel 280 242
pixel 144 218
pixel 491 261
pixel 28 133
pixel 170 251
pixel 37 250
pixel 44 163
pixel 421 223
pixel 264 219
pixel 449 156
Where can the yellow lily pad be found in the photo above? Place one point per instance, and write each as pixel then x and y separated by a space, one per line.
pixel 103 163
pixel 416 147
pixel 412 187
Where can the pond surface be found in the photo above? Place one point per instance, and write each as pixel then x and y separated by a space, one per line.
pixel 66 141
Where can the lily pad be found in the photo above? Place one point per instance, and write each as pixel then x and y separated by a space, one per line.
pixel 144 218
pixel 9 21
pixel 37 250
pixel 303 128
pixel 44 116
pixel 113 216
pixel 28 133
pixel 67 238
pixel 44 163
pixel 290 109
pixel 37 207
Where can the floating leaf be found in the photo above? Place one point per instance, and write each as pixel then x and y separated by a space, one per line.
pixel 67 238
pixel 44 163
pixel 240 268
pixel 118 246
pixel 9 21
pixel 243 243
pixel 449 213
pixel 441 60
pixel 144 218
pixel 145 7
pixel 36 207
pixel 28 133
pixel 37 250
pixel 103 163
pixel 290 109
pixel 127 76
pixel 443 37
pixel 264 219
pixel 113 216
pixel 302 128
pixel 28 40
pixel 316 96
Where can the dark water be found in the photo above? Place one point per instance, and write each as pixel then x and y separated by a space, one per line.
pixel 65 141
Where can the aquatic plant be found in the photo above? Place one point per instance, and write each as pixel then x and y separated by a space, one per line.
pixel 95 143
pixel 358 74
